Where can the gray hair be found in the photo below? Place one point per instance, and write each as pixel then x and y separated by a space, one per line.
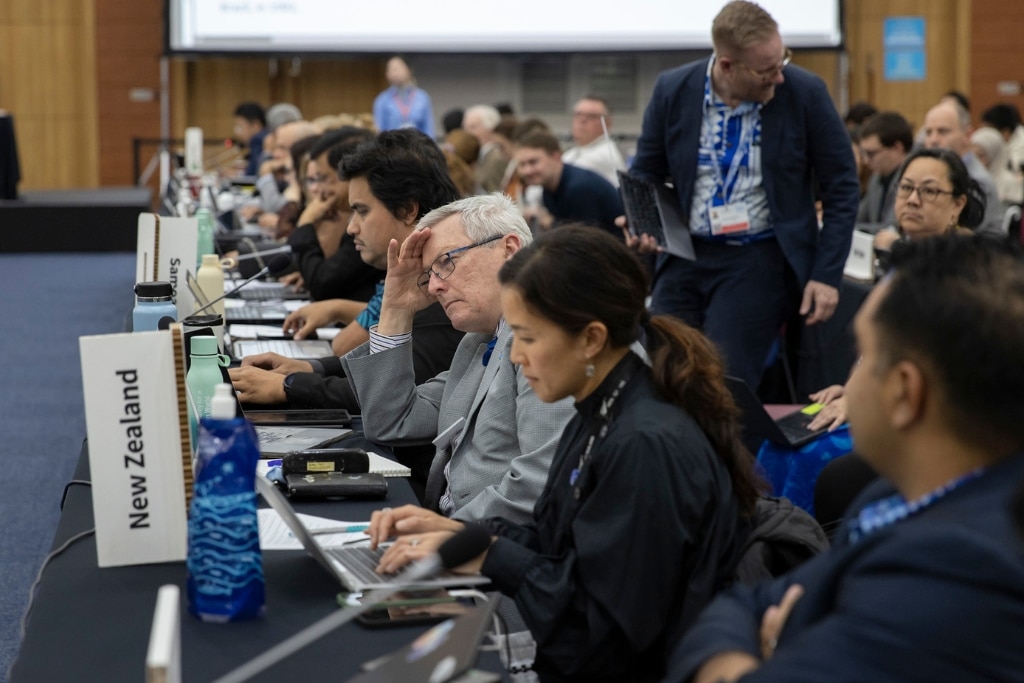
pixel 483 216
pixel 489 116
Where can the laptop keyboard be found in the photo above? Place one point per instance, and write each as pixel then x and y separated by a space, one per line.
pixel 361 561
pixel 639 198
pixel 255 312
pixel 794 426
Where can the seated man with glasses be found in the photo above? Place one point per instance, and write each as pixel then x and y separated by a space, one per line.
pixel 885 140
pixel 494 437
pixel 749 142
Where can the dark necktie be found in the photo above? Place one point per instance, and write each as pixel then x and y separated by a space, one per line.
pixel 490 350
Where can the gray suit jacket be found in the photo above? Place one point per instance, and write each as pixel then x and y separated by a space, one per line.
pixel 500 460
pixel 878 206
pixel 992 225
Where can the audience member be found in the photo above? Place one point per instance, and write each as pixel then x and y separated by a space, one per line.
pixel 494 437
pixel 750 189
pixel 571 194
pixel 277 172
pixel 250 129
pixel 402 104
pixel 480 121
pixel 934 196
pixel 301 187
pixel 930 546
pixel 1006 119
pixel 989 146
pixel 452 120
pixel 593 147
pixel 885 141
pixel 858 114
pixel 327 256
pixel 642 516
pixel 393 181
pixel 948 126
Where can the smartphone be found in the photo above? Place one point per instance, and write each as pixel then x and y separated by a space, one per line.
pixel 322 416
pixel 419 607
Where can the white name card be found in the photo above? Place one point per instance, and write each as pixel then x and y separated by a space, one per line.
pixel 163 657
pixel 132 415
pixel 166 248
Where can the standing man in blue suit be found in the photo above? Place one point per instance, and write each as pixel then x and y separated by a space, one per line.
pixel 747 139
pixel 925 581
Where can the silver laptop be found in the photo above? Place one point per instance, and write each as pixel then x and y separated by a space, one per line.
pixel 354 567
pixel 860 264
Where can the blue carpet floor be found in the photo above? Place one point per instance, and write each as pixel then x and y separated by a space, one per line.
pixel 46 302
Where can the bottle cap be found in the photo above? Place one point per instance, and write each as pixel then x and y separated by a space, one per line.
pixel 203 320
pixel 222 405
pixel 204 346
pixel 153 290
pixel 211 260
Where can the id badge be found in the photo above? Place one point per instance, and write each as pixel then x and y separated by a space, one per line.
pixel 729 219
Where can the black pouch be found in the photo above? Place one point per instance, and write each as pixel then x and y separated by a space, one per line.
pixel 321 460
pixel 336 485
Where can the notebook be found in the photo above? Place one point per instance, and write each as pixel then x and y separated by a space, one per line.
pixel 353 566
pixel 389 468
pixel 654 210
pixel 289 348
pixel 860 264
pixel 440 654
pixel 789 430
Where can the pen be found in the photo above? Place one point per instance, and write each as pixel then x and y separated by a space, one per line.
pixel 350 529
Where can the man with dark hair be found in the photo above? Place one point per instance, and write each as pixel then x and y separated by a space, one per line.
pixel 749 142
pixel 571 193
pixel 858 114
pixel 1006 119
pixel 326 255
pixel 885 141
pixel 932 546
pixel 250 130
pixel 393 180
pixel 591 118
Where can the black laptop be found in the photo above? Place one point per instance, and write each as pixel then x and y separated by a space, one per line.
pixel 789 430
pixel 653 209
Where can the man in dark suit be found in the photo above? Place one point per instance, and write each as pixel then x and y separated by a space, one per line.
pixel 746 139
pixel 925 580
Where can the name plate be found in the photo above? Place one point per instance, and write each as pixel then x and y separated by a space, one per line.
pixel 166 248
pixel 133 418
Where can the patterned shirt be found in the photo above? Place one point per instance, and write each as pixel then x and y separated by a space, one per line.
pixel 729 166
pixel 370 315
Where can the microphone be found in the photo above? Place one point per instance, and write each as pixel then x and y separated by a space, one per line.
pixel 286 249
pixel 276 266
pixel 457 550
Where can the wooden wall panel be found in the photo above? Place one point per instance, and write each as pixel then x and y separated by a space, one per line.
pixel 47 58
pixel 129 42
pixel 946 51
pixel 997 38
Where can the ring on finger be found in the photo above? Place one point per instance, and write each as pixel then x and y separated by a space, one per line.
pixel 414 542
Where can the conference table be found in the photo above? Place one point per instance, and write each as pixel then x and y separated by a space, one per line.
pixel 92 624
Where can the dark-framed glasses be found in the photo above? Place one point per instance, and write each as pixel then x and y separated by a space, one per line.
pixel 444 265
pixel 925 192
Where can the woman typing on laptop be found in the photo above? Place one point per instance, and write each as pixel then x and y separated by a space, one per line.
pixel 645 506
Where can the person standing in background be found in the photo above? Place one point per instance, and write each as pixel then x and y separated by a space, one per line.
pixel 403 105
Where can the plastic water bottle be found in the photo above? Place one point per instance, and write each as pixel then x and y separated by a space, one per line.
pixel 153 302
pixel 204 241
pixel 205 362
pixel 210 277
pixel 225 568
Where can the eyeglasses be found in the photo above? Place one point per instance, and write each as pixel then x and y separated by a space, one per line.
pixel 772 72
pixel 444 265
pixel 927 194
pixel 587 116
pixel 870 154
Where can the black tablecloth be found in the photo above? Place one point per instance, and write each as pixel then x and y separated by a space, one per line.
pixel 93 624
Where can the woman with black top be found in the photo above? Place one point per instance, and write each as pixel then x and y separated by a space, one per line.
pixel 647 497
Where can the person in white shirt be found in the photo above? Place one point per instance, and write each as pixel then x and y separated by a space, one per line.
pixel 591 149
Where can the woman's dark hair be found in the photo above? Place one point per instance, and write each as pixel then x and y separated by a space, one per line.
pixel 402 167
pixel 963 184
pixel 577 274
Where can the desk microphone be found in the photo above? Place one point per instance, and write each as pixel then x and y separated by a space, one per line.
pixel 457 550
pixel 277 265
pixel 285 249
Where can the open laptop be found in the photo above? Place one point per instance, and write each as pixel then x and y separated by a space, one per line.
pixel 438 655
pixel 860 264
pixel 654 209
pixel 353 566
pixel 289 348
pixel 789 430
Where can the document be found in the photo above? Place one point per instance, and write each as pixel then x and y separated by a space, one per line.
pixel 275 534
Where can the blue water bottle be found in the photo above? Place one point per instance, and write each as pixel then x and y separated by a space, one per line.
pixel 225 568
pixel 153 302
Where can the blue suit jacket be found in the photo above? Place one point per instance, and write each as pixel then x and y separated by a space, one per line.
pixel 938 596
pixel 804 143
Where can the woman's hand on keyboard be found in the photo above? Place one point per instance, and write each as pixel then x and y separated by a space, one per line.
pixel 254 385
pixel 276 363
pixel 408 519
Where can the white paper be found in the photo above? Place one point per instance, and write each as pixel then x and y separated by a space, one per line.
pixel 275 534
